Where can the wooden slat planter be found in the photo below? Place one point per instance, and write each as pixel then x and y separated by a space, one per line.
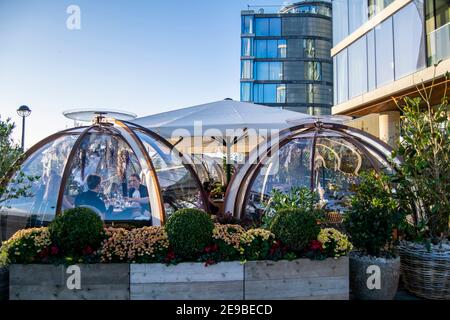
pixel 187 281
pixel 299 279
pixel 49 282
pixel 254 280
pixel 4 283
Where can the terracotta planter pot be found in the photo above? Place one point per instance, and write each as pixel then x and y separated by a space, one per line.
pixel 374 278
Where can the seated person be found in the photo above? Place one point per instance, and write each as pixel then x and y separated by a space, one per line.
pixel 137 192
pixel 92 196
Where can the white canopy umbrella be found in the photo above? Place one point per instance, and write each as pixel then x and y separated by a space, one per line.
pixel 225 120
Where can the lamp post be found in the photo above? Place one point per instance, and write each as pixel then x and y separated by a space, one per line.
pixel 24 112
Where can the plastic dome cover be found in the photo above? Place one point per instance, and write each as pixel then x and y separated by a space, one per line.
pixel 325 157
pixel 125 173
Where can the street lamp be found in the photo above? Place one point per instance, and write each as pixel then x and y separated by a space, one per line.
pixel 24 112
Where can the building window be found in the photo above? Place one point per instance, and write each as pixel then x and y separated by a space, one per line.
pixel 309 48
pixel 271 48
pixel 357 14
pixel 437 30
pixel 310 93
pixel 340 20
pixel 342 76
pixel 270 93
pixel 376 6
pixel 281 93
pixel 269 70
pixel 409 46
pixel 371 69
pixel 313 71
pixel 384 53
pixel 357 68
pixel 268 26
pixel 282 48
pixel 246 69
pixel 247 25
pixel 247 47
pixel 246 91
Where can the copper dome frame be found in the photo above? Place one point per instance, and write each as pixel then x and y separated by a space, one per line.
pixel 240 185
pixel 125 130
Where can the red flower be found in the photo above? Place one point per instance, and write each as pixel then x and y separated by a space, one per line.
pixel 87 250
pixel 54 250
pixel 170 256
pixel 43 253
pixel 316 245
pixel 209 262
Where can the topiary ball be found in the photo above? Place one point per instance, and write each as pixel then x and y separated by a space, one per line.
pixel 77 229
pixel 296 228
pixel 189 232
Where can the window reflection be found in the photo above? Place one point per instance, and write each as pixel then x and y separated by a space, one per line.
pixel 268 26
pixel 246 69
pixel 179 188
pixel 313 71
pixel 247 48
pixel 247 25
pixel 39 207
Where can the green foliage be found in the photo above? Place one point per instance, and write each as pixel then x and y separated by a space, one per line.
pixel 423 178
pixel 77 230
pixel 295 227
pixel 258 244
pixel 297 197
pixel 11 155
pixel 373 214
pixel 25 246
pixel 189 231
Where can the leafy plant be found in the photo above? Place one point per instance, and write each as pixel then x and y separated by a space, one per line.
pixel 20 183
pixel 77 232
pixel 373 214
pixel 256 244
pixel 297 197
pixel 189 232
pixel 423 178
pixel 295 227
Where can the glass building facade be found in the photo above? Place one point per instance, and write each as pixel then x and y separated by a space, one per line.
pixel 285 57
pixel 394 48
pixel 413 38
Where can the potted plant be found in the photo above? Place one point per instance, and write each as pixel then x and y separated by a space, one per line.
pixel 423 189
pixel 373 214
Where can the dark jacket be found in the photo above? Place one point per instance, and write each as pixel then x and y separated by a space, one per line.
pixel 90 198
pixel 143 191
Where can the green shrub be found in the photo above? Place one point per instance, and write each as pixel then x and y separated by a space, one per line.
pixel 189 232
pixel 373 215
pixel 296 197
pixel 295 227
pixel 75 230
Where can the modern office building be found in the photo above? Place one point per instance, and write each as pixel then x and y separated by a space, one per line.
pixel 384 49
pixel 285 56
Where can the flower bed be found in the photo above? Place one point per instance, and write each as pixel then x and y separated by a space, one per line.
pixel 157 263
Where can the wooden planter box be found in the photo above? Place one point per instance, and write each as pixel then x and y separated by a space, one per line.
pixel 254 280
pixel 187 281
pixel 301 279
pixel 49 282
pixel 4 283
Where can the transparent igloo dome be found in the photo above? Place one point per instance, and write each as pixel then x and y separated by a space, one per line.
pixel 326 157
pixel 125 173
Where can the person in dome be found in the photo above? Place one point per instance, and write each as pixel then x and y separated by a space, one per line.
pixel 137 192
pixel 92 196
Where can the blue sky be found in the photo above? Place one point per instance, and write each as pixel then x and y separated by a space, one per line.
pixel 145 56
